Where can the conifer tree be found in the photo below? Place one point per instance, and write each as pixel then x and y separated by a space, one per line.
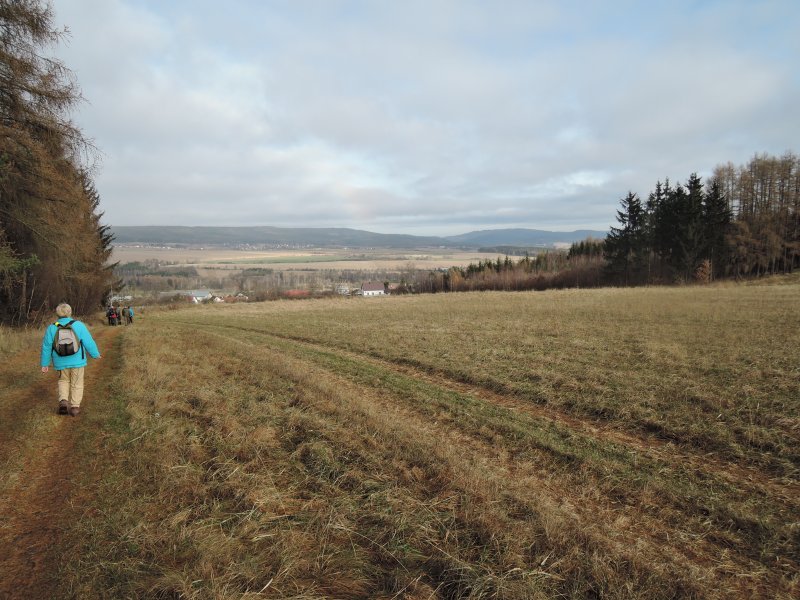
pixel 626 246
pixel 690 231
pixel 716 228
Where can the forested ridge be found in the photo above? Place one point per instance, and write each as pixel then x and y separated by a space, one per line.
pixel 53 247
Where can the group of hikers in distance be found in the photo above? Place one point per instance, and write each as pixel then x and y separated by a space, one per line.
pixel 118 317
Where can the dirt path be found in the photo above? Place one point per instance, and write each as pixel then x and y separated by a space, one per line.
pixel 37 467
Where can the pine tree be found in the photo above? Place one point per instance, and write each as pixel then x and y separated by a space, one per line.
pixel 690 226
pixel 626 246
pixel 716 228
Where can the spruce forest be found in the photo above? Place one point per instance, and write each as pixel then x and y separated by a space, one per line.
pixel 53 247
pixel 744 222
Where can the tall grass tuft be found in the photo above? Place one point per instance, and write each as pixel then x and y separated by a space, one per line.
pixel 17 339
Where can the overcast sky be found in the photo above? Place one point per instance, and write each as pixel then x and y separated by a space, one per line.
pixel 423 117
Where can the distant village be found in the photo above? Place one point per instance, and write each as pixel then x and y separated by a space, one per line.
pixel 205 296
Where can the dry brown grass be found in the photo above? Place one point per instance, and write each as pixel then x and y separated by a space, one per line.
pixel 369 260
pixel 609 443
pixel 15 340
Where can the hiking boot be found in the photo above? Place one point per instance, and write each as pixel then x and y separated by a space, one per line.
pixel 62 407
pixel 73 411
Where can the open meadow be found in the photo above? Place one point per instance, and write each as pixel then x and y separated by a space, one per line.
pixel 611 443
pixel 146 270
pixel 308 259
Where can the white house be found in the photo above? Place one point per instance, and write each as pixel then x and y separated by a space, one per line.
pixel 372 289
pixel 198 296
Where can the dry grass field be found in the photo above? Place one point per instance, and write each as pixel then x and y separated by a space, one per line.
pixel 354 259
pixel 614 443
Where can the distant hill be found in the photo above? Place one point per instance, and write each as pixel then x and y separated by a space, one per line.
pixel 340 237
pixel 237 236
pixel 523 237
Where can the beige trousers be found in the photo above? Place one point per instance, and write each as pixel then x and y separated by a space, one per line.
pixel 70 386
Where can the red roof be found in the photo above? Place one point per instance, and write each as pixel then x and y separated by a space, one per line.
pixel 372 287
pixel 297 293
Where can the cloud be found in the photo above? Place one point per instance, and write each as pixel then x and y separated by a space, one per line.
pixel 416 115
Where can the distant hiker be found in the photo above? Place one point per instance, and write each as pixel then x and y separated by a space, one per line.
pixel 130 315
pixel 65 345
pixel 110 315
pixel 125 315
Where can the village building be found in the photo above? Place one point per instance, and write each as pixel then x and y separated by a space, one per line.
pixel 195 296
pixel 198 296
pixel 240 297
pixel 373 289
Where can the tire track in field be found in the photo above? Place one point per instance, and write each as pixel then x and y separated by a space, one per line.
pixel 35 508
pixel 597 515
pixel 788 492
pixel 644 528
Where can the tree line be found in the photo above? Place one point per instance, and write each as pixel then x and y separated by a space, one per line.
pixel 546 270
pixel 742 222
pixel 53 247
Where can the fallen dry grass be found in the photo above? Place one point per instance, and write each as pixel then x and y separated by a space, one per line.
pixel 607 443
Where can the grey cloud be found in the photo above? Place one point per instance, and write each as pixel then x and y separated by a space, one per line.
pixel 415 115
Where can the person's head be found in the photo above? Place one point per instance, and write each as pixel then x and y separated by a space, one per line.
pixel 64 310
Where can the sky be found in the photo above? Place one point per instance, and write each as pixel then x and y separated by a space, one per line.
pixel 432 117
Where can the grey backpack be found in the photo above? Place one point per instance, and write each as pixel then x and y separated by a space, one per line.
pixel 65 342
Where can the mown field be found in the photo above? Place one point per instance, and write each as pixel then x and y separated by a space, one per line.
pixel 616 443
pixel 342 259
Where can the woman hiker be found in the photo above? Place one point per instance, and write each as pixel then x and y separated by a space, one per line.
pixel 65 345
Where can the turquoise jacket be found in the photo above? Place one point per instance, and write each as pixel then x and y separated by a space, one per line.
pixel 78 359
